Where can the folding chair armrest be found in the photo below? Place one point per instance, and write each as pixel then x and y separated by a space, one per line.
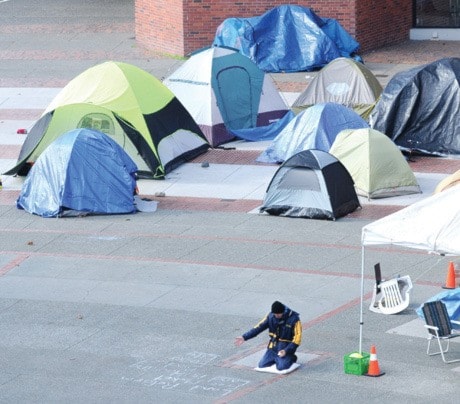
pixel 432 327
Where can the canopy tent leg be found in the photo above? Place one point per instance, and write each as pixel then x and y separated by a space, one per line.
pixel 361 302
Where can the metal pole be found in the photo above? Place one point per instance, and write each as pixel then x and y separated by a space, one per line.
pixel 361 300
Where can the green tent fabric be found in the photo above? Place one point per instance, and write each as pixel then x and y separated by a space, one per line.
pixel 342 81
pixel 130 105
pixel 375 163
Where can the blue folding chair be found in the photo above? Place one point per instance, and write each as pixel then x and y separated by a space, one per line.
pixel 439 326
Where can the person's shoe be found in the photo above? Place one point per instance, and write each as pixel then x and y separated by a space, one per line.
pixel 295 358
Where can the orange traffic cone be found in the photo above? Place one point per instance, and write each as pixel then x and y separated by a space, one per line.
pixel 374 369
pixel 450 280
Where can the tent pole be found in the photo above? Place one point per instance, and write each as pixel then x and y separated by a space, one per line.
pixel 361 302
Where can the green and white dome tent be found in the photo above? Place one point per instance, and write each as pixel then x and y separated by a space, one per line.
pixel 130 105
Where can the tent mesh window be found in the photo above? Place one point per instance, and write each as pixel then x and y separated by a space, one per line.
pixel 300 178
pixel 99 122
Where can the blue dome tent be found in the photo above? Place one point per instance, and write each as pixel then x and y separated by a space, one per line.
pixel 82 172
pixel 313 128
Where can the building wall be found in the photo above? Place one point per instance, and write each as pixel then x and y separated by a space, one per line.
pixel 392 25
pixel 181 26
pixel 159 25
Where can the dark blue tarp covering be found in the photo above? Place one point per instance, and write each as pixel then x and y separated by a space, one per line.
pixel 82 171
pixel 287 38
pixel 268 132
pixel 313 128
pixel 419 109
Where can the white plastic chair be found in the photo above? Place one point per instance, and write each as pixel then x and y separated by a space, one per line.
pixel 376 296
pixel 395 295
pixel 392 296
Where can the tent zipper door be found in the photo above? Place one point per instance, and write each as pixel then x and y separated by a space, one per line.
pixel 234 98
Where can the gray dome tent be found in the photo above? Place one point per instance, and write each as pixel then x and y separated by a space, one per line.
pixel 342 81
pixel 311 184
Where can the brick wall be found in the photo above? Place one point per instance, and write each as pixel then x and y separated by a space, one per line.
pixel 159 25
pixel 392 25
pixel 182 26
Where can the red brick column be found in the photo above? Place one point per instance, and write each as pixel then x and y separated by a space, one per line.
pixel 382 22
pixel 181 26
pixel 160 25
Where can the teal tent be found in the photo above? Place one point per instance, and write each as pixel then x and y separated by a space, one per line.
pixel 225 91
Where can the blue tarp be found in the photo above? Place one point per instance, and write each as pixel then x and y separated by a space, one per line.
pixel 82 171
pixel 313 128
pixel 287 38
pixel 268 132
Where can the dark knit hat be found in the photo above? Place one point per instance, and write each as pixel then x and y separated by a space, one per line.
pixel 278 308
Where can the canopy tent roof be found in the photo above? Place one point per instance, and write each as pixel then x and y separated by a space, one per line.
pixel 431 224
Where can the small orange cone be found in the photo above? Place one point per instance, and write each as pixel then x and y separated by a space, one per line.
pixel 450 279
pixel 374 369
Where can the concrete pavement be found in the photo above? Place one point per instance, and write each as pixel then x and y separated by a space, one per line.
pixel 144 308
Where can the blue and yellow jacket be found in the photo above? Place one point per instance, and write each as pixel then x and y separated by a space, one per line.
pixel 285 333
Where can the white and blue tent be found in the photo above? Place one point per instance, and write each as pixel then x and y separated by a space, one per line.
pixel 314 128
pixel 225 91
pixel 82 172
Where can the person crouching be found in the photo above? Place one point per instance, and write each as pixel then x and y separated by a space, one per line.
pixel 285 332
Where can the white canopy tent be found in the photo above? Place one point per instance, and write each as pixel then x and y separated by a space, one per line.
pixel 432 224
